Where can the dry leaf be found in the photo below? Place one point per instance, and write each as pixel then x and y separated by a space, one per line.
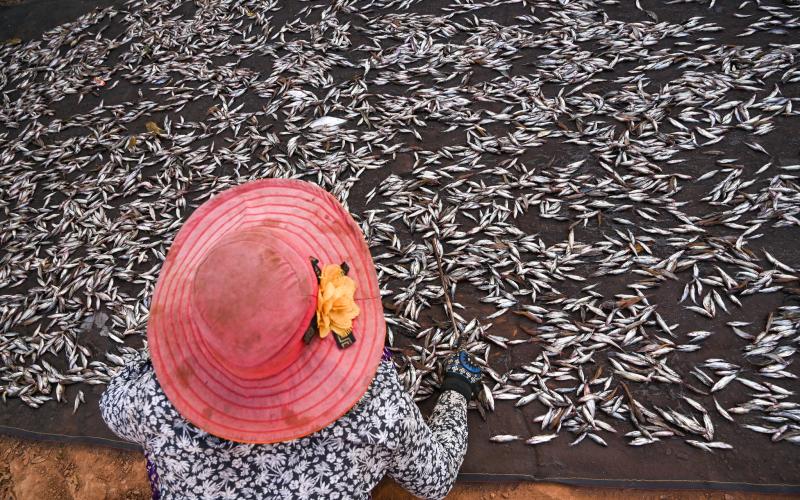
pixel 625 303
pixel 13 41
pixel 153 128
pixel 529 315
pixel 132 142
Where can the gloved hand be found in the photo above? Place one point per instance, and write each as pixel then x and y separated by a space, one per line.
pixel 462 374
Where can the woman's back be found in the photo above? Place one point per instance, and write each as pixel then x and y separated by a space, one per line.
pixel 383 433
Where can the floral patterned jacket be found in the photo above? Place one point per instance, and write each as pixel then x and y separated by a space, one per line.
pixel 384 433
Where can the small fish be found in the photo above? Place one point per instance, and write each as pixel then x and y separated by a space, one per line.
pixel 504 438
pixel 327 122
pixel 723 382
pixel 540 439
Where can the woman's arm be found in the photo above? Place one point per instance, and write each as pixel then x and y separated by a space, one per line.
pixel 427 460
pixel 120 404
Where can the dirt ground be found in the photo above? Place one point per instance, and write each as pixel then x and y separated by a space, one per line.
pixel 37 470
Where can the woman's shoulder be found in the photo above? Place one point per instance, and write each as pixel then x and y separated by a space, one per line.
pixel 385 382
pixel 386 396
pixel 135 387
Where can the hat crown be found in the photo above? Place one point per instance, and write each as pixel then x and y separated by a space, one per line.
pixel 255 298
pixel 233 300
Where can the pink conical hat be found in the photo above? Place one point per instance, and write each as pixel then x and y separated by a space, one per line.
pixel 234 299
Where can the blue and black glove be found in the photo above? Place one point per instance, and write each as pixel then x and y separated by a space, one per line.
pixel 462 374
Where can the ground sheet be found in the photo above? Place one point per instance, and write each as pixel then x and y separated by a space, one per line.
pixel 605 191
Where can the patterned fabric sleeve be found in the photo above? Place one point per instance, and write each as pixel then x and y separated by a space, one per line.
pixel 121 402
pixel 428 457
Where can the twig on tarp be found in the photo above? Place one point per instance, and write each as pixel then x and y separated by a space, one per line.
pixel 448 304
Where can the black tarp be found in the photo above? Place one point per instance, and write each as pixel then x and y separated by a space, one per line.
pixel 756 464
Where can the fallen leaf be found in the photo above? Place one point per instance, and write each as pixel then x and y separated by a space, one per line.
pixel 13 41
pixel 153 128
pixel 625 303
pixel 132 142
pixel 529 315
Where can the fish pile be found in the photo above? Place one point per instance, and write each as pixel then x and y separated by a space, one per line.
pixel 599 202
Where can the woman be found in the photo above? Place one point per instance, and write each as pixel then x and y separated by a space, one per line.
pixel 267 376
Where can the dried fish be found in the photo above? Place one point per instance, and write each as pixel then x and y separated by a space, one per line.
pixel 550 225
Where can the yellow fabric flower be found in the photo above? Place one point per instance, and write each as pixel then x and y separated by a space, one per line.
pixel 336 307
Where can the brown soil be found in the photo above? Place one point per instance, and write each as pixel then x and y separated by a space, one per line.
pixel 37 470
pixel 57 471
